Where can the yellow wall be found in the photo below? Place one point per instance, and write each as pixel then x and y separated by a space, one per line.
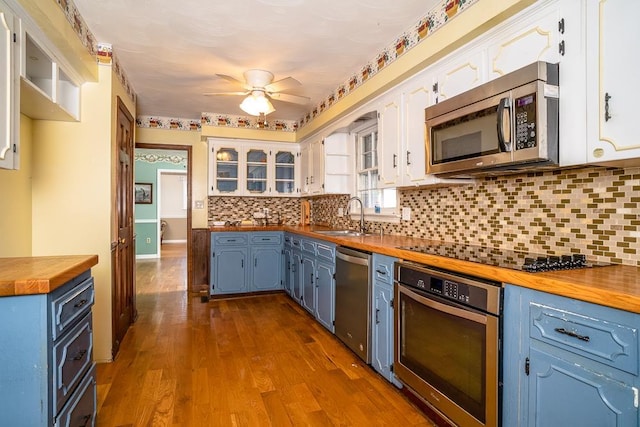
pixel 198 163
pixel 72 191
pixel 15 197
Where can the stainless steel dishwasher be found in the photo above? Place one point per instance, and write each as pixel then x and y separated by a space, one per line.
pixel 353 300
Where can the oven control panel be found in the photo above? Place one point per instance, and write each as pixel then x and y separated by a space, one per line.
pixel 525 114
pixel 451 289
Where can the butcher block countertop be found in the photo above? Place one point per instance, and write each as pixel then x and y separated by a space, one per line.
pixel 40 275
pixel 616 286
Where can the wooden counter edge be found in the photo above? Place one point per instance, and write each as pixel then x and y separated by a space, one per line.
pixel 50 282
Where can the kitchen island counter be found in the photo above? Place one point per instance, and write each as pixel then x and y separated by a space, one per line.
pixel 40 275
pixel 616 286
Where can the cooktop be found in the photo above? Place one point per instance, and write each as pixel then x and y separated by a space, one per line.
pixel 505 258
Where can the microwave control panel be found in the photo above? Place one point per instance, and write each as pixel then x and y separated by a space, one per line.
pixel 525 115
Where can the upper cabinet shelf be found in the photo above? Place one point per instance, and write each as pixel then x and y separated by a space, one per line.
pixel 46 91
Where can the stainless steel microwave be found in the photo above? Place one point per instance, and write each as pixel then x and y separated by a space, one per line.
pixel 508 124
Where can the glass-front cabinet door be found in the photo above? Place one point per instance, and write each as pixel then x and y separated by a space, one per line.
pixel 227 170
pixel 256 171
pixel 285 183
pixel 250 168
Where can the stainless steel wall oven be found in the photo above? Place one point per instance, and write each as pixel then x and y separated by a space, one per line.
pixel 447 342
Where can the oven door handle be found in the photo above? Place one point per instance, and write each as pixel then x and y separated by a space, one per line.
pixel 449 308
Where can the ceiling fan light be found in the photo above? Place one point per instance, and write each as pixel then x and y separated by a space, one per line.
pixel 256 104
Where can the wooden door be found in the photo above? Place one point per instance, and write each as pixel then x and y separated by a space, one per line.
pixel 123 298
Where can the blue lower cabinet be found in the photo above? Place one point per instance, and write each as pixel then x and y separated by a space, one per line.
pixel 325 294
pixel 382 317
pixel 286 270
pixel 308 282
pixel 47 373
pixel 245 262
pixel 266 264
pixel 568 362
pixel 231 267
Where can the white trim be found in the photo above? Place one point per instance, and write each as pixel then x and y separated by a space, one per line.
pixel 174 241
pixel 145 221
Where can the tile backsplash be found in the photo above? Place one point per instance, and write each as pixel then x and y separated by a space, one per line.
pixel 592 211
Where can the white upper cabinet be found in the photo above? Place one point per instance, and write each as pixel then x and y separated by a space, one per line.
pixel 247 168
pixel 462 71
pixel 327 165
pixel 417 97
pixel 528 38
pixel 613 88
pixel 47 92
pixel 390 139
pixel 9 120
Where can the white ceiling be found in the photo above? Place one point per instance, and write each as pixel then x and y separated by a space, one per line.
pixel 171 51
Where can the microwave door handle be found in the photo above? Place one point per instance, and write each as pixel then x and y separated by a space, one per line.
pixel 504 124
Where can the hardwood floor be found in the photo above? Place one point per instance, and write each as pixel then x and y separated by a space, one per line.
pixel 252 361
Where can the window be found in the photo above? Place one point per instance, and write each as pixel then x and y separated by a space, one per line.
pixel 374 199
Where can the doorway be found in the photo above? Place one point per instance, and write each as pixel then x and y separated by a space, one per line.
pixel 182 150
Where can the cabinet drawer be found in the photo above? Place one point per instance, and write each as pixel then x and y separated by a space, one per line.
pixel 81 407
pixel 266 239
pixel 383 268
pixel 326 252
pixel 232 239
pixel 308 246
pixel 71 305
pixel 72 357
pixel 605 341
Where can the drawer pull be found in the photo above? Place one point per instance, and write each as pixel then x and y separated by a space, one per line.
pixel 80 355
pixel 384 273
pixel 86 420
pixel 81 303
pixel 572 334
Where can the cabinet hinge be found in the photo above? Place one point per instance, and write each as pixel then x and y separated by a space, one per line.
pixel 561 26
pixel 323 142
pixel 561 48
pixel 15 38
pixel 391 367
pixel 323 186
pixel 213 254
pixel 301 261
pixel 526 366
pixel 334 276
pixel 15 148
pixel 333 322
pixel 391 303
pixel 435 87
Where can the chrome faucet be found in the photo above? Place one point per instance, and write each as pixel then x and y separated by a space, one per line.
pixel 362 226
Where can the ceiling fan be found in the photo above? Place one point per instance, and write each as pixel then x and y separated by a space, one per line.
pixel 259 87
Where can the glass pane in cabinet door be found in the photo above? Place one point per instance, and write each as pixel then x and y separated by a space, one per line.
pixel 225 186
pixel 257 186
pixel 227 171
pixel 284 187
pixel 284 157
pixel 284 172
pixel 227 155
pixel 256 156
pixel 256 172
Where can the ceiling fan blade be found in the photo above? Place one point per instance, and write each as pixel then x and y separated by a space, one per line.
pixel 286 97
pixel 283 84
pixel 234 81
pixel 226 93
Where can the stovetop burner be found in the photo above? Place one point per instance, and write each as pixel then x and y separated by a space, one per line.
pixel 533 263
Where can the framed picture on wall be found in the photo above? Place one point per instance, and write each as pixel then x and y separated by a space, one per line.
pixel 143 193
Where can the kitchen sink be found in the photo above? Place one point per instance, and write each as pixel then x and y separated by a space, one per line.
pixel 347 233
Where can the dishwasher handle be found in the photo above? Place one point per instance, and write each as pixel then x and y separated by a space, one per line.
pixel 353 259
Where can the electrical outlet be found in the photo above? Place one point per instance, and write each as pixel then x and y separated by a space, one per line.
pixel 340 212
pixel 148 239
pixel 406 214
pixel 199 204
